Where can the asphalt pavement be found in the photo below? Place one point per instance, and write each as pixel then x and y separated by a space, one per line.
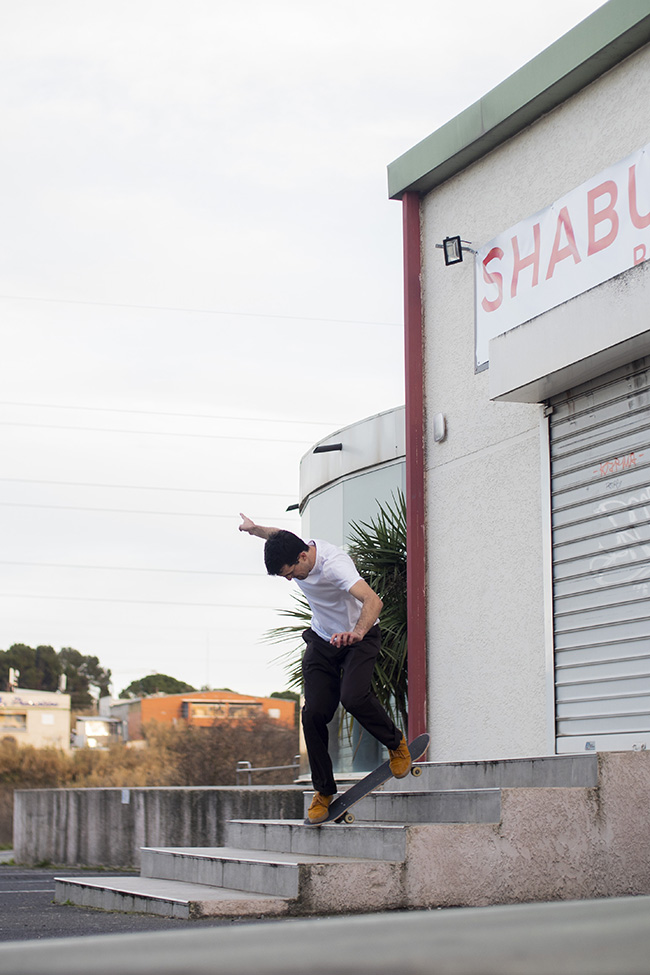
pixel 28 911
pixel 596 937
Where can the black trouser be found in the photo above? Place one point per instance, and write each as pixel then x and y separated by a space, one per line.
pixel 333 675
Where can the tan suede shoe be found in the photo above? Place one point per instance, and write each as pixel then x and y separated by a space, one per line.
pixel 317 812
pixel 400 759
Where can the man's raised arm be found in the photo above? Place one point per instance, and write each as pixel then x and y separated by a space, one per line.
pixel 249 526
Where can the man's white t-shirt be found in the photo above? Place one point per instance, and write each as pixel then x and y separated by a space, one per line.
pixel 327 589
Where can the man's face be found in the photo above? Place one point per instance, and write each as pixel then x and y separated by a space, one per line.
pixel 299 569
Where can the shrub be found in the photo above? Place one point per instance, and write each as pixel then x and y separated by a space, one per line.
pixel 172 756
pixel 209 756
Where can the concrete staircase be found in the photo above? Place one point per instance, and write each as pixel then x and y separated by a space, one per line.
pixel 421 841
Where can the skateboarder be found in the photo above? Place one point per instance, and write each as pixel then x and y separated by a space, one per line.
pixel 342 644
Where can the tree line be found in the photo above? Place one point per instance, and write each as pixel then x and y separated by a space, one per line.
pixel 42 668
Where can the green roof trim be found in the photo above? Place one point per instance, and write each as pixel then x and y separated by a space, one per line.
pixel 598 43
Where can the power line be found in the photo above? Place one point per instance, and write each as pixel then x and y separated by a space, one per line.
pixel 130 568
pixel 112 624
pixel 152 433
pixel 148 602
pixel 190 416
pixel 144 487
pixel 199 311
pixel 126 511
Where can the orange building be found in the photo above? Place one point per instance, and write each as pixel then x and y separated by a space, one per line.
pixel 201 708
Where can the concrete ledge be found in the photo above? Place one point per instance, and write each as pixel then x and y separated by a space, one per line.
pixel 108 827
pixel 583 937
pixel 547 771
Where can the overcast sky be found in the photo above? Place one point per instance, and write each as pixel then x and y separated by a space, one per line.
pixel 200 277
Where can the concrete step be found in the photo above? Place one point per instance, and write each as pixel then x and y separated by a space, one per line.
pixel 427 806
pixel 270 867
pixel 236 869
pixel 548 771
pixel 281 867
pixel 264 872
pixel 561 834
pixel 372 841
pixel 457 806
pixel 202 882
pixel 166 898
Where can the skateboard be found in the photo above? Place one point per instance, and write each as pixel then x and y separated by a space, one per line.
pixel 340 808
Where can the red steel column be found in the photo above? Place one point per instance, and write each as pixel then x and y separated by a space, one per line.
pixel 415 512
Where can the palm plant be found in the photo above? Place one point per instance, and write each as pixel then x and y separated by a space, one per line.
pixel 378 548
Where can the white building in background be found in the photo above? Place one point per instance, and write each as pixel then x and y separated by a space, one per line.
pixel 343 479
pixel 38 718
pixel 528 405
pixel 345 476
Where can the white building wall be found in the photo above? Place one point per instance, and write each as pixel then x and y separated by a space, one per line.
pixel 347 485
pixel 38 718
pixel 486 483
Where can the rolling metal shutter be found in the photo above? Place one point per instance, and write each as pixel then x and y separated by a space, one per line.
pixel 600 490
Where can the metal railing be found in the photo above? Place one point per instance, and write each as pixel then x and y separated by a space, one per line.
pixel 247 768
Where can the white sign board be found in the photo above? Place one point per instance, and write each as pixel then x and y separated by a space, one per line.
pixel 595 232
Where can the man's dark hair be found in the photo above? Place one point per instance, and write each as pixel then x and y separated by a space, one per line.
pixel 282 548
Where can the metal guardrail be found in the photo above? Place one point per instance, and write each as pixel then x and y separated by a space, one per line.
pixel 247 768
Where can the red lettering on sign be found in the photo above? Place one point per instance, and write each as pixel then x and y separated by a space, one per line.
pixel 594 217
pixel 569 250
pixel 493 277
pixel 639 254
pixel 639 221
pixel 522 262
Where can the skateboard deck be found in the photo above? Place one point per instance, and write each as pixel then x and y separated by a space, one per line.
pixel 339 810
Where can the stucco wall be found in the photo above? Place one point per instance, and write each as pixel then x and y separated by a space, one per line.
pixel 488 692
pixel 550 844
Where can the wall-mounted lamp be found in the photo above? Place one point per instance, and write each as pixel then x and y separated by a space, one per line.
pixel 325 448
pixel 453 248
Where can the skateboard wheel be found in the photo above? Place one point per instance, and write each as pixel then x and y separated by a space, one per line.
pixel 348 818
pixel 416 770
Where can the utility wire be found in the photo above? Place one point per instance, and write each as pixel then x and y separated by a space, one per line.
pixel 199 311
pixel 148 602
pixel 223 626
pixel 130 568
pixel 145 487
pixel 127 511
pixel 153 433
pixel 189 416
